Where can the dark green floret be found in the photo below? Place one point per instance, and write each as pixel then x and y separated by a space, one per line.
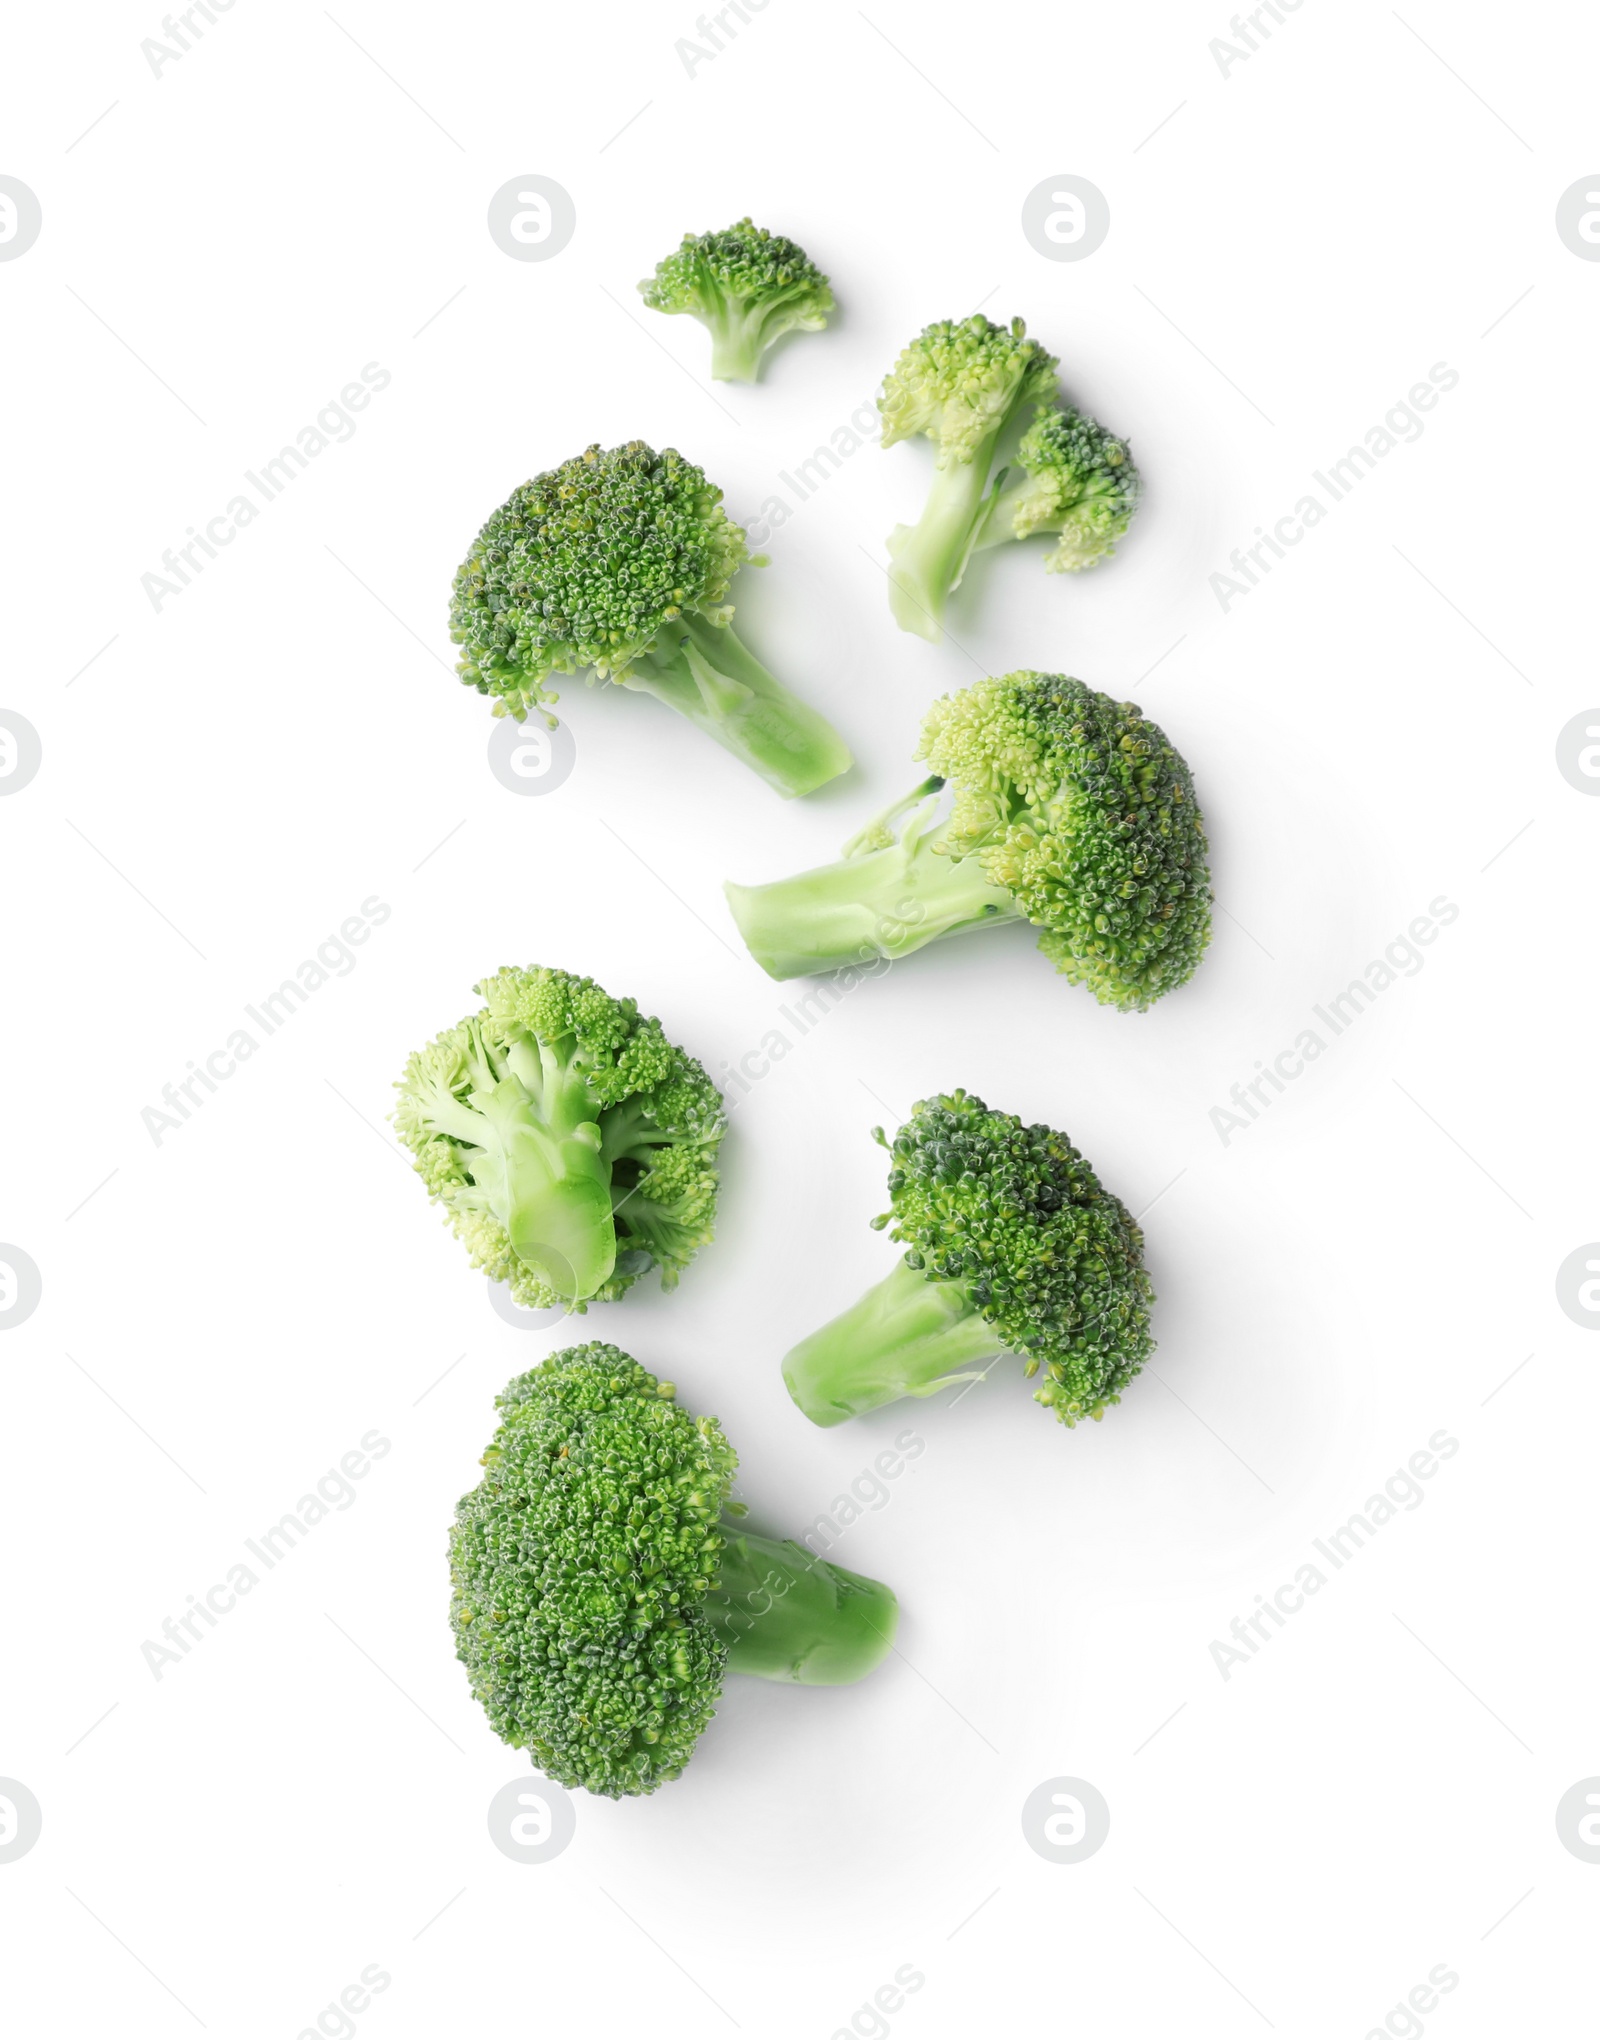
pixel 572 1146
pixel 1077 481
pixel 600 1591
pixel 960 383
pixel 1012 1246
pixel 618 563
pixel 748 287
pixel 1064 808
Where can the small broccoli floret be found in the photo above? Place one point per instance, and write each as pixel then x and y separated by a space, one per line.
pixel 600 1591
pixel 748 287
pixel 618 563
pixel 1066 809
pixel 959 383
pixel 1012 1246
pixel 572 1146
pixel 1078 480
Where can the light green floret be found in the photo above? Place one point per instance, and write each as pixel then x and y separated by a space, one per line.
pixel 618 563
pixel 1012 1246
pixel 1064 808
pixel 748 287
pixel 1077 480
pixel 600 1592
pixel 572 1146
pixel 960 383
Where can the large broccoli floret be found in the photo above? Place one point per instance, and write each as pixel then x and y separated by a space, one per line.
pixel 599 1591
pixel 1068 810
pixel 1078 480
pixel 572 1146
pixel 960 383
pixel 618 563
pixel 748 287
pixel 1012 1246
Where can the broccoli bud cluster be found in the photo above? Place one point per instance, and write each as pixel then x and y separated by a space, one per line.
pixel 583 566
pixel 1085 812
pixel 1017 1218
pixel 580 1565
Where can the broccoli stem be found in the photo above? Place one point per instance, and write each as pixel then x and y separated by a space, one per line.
pixel 909 1335
pixel 930 556
pixel 998 524
pixel 738 340
pixel 703 671
pixel 875 903
pixel 539 1163
pixel 785 1614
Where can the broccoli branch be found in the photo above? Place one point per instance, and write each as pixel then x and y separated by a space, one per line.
pixel 930 556
pixel 907 1336
pixel 702 670
pixel 533 1148
pixel 876 901
pixel 785 1614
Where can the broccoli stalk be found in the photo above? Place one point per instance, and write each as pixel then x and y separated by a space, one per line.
pixel 1012 1246
pixel 742 329
pixel 1067 809
pixel 887 896
pixel 700 668
pixel 785 1614
pixel 930 557
pixel 908 1335
pixel 530 1125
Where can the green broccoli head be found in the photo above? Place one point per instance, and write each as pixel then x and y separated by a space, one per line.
pixel 1085 813
pixel 599 1593
pixel 1012 1246
pixel 580 1567
pixel 748 287
pixel 1018 1218
pixel 584 567
pixel 618 563
pixel 1065 808
pixel 572 1146
pixel 960 381
pixel 1078 480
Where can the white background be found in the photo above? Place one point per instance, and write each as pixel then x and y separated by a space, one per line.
pixel 1373 1793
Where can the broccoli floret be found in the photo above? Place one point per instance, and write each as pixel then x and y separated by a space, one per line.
pixel 1066 809
pixel 600 1591
pixel 1078 480
pixel 572 1146
pixel 748 287
pixel 1012 1246
pixel 959 383
pixel 618 563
